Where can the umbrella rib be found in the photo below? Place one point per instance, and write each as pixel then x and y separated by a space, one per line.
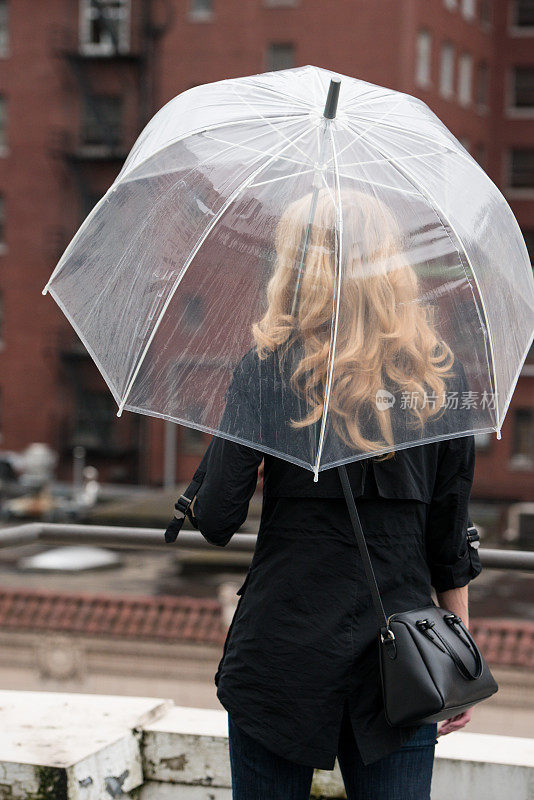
pixel 282 177
pixel 382 96
pixel 120 180
pixel 190 258
pixel 155 208
pixel 335 305
pixel 399 158
pixel 244 100
pixel 300 100
pixel 255 150
pixel 449 148
pixel 206 128
pixel 361 99
pixel 484 322
pixel 370 127
pixel 382 185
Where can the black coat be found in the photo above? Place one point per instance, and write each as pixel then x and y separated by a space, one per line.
pixel 303 638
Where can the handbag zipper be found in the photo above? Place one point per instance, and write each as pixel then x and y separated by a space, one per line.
pixel 419 608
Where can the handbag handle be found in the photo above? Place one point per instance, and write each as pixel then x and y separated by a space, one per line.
pixel 455 622
pixel 425 627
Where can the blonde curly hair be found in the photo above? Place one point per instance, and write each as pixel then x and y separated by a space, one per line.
pixel 385 335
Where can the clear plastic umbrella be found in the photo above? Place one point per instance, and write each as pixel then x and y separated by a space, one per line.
pixel 321 282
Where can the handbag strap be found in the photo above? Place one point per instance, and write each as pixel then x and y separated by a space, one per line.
pixel 183 510
pixel 385 631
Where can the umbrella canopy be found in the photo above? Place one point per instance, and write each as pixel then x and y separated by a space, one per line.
pixel 317 274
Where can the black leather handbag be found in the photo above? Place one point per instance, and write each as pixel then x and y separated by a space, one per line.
pixel 430 666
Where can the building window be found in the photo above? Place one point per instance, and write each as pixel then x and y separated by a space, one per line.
pixel 523 87
pixel 3 123
pixel 523 438
pixel 202 6
pixel 423 58
pixel 101 120
pixel 280 3
pixel 105 26
pixel 482 89
pixel 528 236
pixel 465 79
pixel 4 28
pixel 469 9
pixel 522 168
pixel 94 418
pixel 280 56
pixel 524 13
pixel 450 4
pixel 1 317
pixel 446 77
pixel 486 12
pixel 201 10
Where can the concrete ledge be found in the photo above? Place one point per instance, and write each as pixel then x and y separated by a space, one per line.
pixel 58 746
pixel 189 747
pixel 483 765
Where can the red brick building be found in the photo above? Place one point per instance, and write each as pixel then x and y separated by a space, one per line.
pixel 78 80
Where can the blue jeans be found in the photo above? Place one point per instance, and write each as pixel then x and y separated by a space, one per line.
pixel 259 774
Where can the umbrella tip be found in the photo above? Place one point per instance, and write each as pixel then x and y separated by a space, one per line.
pixel 45 290
pixel 498 433
pixel 330 108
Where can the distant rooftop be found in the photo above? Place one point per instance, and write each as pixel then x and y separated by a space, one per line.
pixel 198 620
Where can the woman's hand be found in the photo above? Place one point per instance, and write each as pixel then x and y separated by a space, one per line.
pixel 454 723
pixel 455 600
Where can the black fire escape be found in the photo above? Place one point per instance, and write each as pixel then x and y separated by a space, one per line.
pixel 111 95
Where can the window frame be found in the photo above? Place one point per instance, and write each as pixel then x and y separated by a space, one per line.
pixel 200 14
pixel 518 459
pixel 84 120
pixel 514 28
pixel 482 77
pixel 449 47
pixel 469 10
pixel 5 13
pixel 527 189
pixel 464 91
pixel 105 47
pixel 427 66
pixel 270 46
pixel 512 110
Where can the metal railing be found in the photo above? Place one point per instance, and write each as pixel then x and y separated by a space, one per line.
pixel 150 538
